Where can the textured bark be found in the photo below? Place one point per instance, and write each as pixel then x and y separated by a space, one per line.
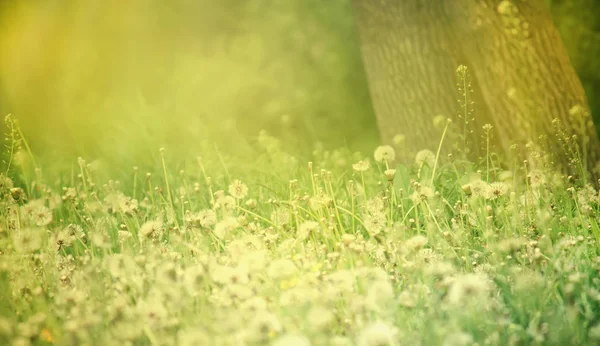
pixel 411 49
pixel 410 58
pixel 578 24
pixel 525 74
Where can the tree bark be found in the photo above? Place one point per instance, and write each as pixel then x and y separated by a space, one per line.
pixel 410 57
pixel 522 74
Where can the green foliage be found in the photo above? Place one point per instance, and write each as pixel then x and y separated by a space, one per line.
pixel 342 250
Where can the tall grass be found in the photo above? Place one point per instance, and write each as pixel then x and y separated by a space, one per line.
pixel 342 250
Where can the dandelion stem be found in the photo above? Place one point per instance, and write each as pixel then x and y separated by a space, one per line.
pixel 437 154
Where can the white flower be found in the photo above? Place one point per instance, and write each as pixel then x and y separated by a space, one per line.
pixel 477 188
pixel 281 268
pixel 416 242
pixel 468 287
pixel 361 166
pixel 498 189
pixel 292 340
pixel 238 190
pixel 377 334
pixel 227 202
pixel 374 223
pixel 390 174
pixel 306 228
pixel 152 229
pixel 225 227
pixel 192 337
pixel 384 153
pixel 422 194
pixel 380 295
pixel 425 157
pixel 536 178
pixel 320 318
pixel 206 218
pixel 281 216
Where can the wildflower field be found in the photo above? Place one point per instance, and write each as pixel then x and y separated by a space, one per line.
pixel 339 248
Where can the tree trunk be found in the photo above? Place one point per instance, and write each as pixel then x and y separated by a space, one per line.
pixel 410 56
pixel 522 74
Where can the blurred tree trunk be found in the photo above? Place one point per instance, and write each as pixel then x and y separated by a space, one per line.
pixel 520 71
pixel 410 55
pixel 578 23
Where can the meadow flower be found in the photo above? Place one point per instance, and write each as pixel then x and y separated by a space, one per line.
pixel 440 269
pixel 422 194
pixel 229 275
pixel 320 318
pixel 281 216
pixel 374 224
pixel 193 337
pixel 281 268
pixel 225 227
pixel 390 174
pixel 415 243
pixel 292 340
pixel 226 202
pixel 238 292
pixel 377 334
pixel 319 201
pixel 206 218
pixel 428 256
pixel 296 296
pixel 498 189
pixel 374 205
pixel 251 204
pixel 41 216
pixel 384 153
pixel 380 295
pixel 117 202
pixel 477 188
pixel 5 184
pixel 254 304
pixel 123 236
pixel 151 230
pixel 306 228
pixel 238 190
pixel 425 157
pixel 536 177
pixel 193 279
pixel 468 288
pixel 263 326
pixel 361 166
pixel 168 274
pixel 342 281
pixel 28 240
pixel 152 311
pixel 255 260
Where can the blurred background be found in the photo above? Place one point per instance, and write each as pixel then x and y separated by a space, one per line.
pixel 121 78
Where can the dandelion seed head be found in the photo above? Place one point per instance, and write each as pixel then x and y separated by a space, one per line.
pixel 361 166
pixel 292 340
pixel 238 190
pixel 384 153
pixel 425 157
pixel 377 334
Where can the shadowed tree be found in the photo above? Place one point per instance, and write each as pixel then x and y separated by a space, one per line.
pixel 578 23
pixel 522 77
